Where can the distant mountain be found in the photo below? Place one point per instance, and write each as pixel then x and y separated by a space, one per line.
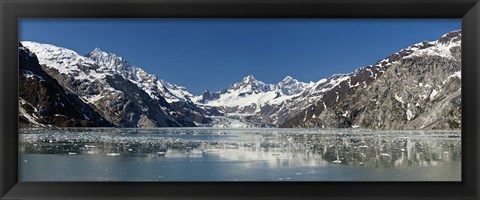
pixel 418 87
pixel 249 101
pixel 43 102
pixel 291 86
pixel 255 103
pixel 117 99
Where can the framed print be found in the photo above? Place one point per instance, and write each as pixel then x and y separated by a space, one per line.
pixel 239 99
pixel 108 119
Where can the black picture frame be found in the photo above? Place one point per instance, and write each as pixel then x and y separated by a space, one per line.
pixel 13 10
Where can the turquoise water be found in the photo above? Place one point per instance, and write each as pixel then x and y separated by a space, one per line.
pixel 209 154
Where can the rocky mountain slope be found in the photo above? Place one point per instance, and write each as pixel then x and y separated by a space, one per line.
pixel 177 96
pixel 43 102
pixel 117 99
pixel 416 88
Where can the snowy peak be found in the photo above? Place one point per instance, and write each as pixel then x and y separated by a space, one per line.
pixel 290 86
pixel 113 59
pixel 96 51
pixel 249 79
pixel 51 54
pixel 65 61
pixel 453 37
pixel 250 84
pixel 447 46
pixel 116 64
pixel 148 82
pixel 287 79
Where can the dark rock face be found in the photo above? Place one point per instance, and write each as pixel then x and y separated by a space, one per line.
pixel 44 102
pixel 207 96
pixel 141 109
pixel 210 111
pixel 189 112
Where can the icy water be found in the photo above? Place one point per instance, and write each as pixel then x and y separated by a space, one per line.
pixel 209 154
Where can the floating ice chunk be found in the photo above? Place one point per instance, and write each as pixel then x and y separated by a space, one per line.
pixel 337 162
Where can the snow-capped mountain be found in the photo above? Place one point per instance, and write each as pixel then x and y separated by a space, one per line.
pixel 417 87
pixel 117 99
pixel 148 82
pixel 291 86
pixel 44 102
pixel 248 95
pixel 248 101
pixel 177 96
pixel 250 85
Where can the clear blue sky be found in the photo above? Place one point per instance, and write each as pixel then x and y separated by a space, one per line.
pixel 211 54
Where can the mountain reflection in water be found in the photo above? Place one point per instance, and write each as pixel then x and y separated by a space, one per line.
pixel 279 147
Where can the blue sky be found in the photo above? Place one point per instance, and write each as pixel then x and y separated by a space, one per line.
pixel 211 54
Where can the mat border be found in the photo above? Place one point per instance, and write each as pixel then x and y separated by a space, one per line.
pixel 13 10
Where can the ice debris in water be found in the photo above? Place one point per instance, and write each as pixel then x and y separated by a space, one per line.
pixel 311 147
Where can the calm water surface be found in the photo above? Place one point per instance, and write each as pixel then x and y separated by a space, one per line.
pixel 209 154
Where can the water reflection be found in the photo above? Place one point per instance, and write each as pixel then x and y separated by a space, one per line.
pixel 277 147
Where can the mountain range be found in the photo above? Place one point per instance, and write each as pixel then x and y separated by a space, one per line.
pixel 418 87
